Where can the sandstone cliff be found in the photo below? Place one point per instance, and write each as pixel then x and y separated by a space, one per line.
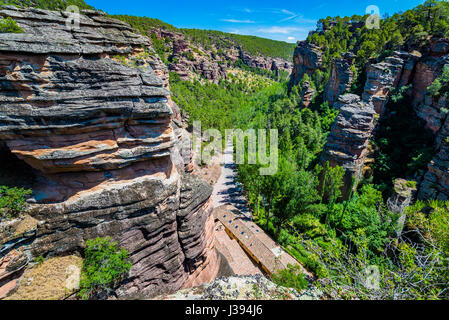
pixel 306 60
pixel 341 77
pixel 89 112
pixel 347 143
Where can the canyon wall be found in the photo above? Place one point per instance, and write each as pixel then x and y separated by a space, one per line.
pixel 307 58
pixel 348 142
pixel 341 78
pixel 434 111
pixel 89 112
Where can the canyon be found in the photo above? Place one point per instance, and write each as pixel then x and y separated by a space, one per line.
pixel 88 123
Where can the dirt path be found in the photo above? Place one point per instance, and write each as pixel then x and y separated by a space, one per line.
pixel 228 190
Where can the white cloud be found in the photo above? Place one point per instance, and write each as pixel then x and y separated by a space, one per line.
pixel 281 30
pixel 237 21
pixel 292 15
pixel 291 38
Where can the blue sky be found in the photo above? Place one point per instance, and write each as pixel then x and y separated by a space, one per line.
pixel 285 20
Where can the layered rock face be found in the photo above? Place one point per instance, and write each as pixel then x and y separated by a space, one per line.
pixel 433 110
pixel 347 142
pixel 99 135
pixel 341 78
pixel 385 76
pixel 306 60
pixel 307 94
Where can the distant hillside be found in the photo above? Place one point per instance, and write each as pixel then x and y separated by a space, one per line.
pixel 221 40
pixel 251 44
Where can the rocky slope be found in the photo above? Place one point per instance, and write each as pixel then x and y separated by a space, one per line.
pixel 348 141
pixel 191 59
pixel 243 288
pixel 89 112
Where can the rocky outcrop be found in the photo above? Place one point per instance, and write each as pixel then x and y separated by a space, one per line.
pixel 89 111
pixel 384 77
pixel 436 181
pixel 308 93
pixel 347 143
pixel 403 193
pixel 306 60
pixel 187 63
pixel 265 63
pixel 341 77
pixel 243 288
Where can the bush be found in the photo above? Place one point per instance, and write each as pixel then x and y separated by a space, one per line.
pixel 9 25
pixel 309 225
pixel 104 267
pixel 292 278
pixel 440 85
pixel 12 201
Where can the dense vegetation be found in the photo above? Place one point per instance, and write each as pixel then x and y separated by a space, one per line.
pixel 250 44
pixel 12 201
pixel 403 147
pixel 47 4
pixel 144 25
pixel 217 106
pixel 104 267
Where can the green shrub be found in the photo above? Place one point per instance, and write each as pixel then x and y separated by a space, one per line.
pixel 440 85
pixel 39 260
pixel 104 267
pixel 292 277
pixel 9 25
pixel 309 225
pixel 12 201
